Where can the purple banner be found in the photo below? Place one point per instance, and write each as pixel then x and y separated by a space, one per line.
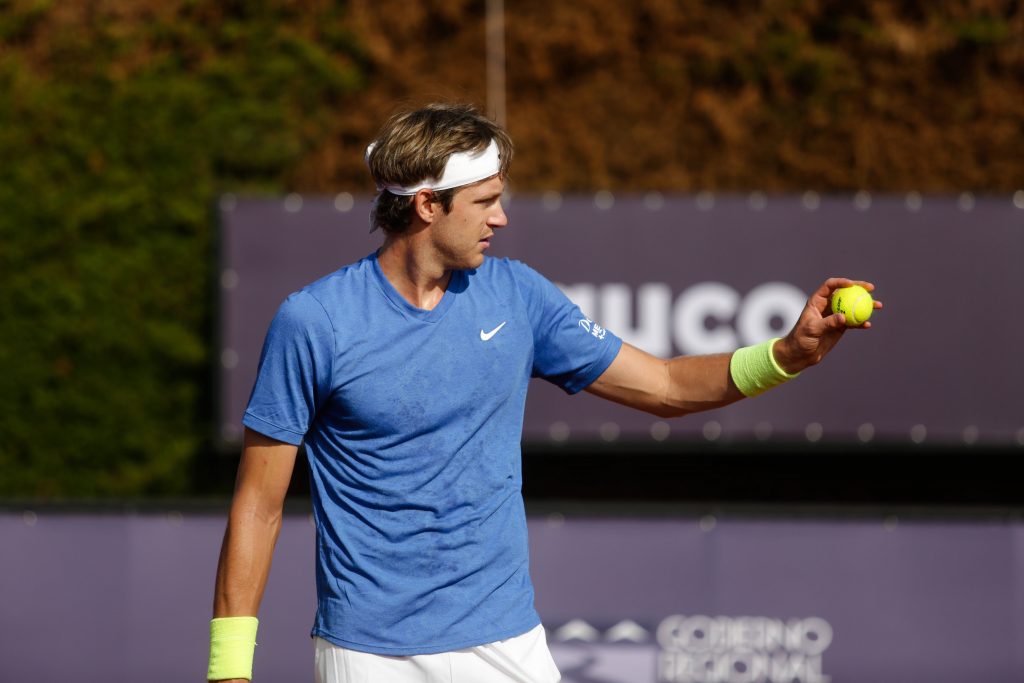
pixel 702 275
pixel 675 600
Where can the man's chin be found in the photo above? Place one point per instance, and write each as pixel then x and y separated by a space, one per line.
pixel 464 261
pixel 474 262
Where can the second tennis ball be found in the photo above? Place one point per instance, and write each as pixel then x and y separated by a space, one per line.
pixel 855 303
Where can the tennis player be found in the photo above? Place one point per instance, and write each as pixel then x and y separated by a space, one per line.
pixel 405 376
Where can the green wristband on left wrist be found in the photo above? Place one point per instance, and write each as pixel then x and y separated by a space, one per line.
pixel 754 369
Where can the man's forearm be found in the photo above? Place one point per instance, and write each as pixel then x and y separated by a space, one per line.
pixel 245 559
pixel 697 383
pixel 245 555
pixel 667 388
pixel 243 568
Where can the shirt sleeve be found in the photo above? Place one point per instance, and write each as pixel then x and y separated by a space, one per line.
pixel 570 349
pixel 295 370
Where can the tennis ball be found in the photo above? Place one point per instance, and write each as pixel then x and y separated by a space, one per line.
pixel 855 303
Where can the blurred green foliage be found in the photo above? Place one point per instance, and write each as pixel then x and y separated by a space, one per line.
pixel 983 31
pixel 114 144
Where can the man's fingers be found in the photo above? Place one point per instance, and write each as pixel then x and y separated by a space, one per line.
pixel 819 300
pixel 834 283
pixel 822 296
pixel 827 287
pixel 836 321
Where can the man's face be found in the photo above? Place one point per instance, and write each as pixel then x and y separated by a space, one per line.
pixel 463 234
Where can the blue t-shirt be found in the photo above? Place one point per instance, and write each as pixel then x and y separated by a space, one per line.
pixel 412 422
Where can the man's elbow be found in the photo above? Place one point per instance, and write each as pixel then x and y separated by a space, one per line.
pixel 256 512
pixel 668 410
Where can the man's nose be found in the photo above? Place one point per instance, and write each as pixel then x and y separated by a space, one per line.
pixel 499 219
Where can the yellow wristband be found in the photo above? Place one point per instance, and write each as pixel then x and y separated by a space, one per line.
pixel 232 644
pixel 755 370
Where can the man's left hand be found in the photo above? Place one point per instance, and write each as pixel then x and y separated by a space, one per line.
pixel 818 329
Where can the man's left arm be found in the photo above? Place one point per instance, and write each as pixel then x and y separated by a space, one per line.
pixel 689 384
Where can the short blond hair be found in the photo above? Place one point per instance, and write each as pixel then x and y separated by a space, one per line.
pixel 415 145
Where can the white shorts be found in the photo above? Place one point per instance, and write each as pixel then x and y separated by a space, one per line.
pixel 522 659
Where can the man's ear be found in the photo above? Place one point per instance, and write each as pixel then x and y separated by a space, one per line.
pixel 426 206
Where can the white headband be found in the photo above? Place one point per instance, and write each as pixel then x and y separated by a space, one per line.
pixel 462 168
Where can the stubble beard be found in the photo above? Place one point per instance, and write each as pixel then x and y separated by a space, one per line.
pixel 458 257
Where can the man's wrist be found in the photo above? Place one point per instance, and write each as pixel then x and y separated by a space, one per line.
pixel 232 642
pixel 754 369
pixel 788 357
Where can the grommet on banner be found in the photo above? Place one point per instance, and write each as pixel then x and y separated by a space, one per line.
pixel 344 202
pixel 229 431
pixel 914 201
pixel 228 278
pixel 862 200
pixel 660 430
pixel 1018 199
pixel 559 431
pixel 609 431
pixel 707 523
pixel 965 201
pixel 757 201
pixel 970 435
pixel 866 432
pixel 293 203
pixel 228 202
pixel 551 201
pixel 811 200
pixel 763 431
pixel 229 359
pixel 712 430
pixel 814 432
pixel 918 433
pixel 604 200
pixel 653 201
pixel 705 201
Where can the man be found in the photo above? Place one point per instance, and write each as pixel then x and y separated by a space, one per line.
pixel 405 375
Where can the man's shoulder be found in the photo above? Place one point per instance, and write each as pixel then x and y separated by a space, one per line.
pixel 318 302
pixel 525 278
pixel 346 279
pixel 503 266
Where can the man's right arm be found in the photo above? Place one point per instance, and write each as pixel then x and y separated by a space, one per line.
pixel 254 522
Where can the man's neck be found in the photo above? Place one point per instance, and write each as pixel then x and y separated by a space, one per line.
pixel 414 271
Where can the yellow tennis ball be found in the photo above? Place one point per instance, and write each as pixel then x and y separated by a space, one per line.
pixel 855 303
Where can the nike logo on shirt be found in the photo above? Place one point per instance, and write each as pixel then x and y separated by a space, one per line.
pixel 486 336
